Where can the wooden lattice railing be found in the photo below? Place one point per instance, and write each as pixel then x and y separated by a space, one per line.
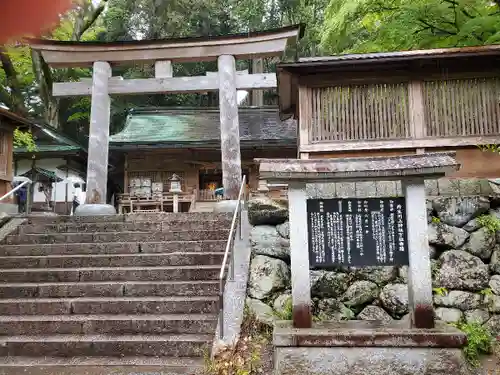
pixel 347 113
pixel 401 111
pixel 462 107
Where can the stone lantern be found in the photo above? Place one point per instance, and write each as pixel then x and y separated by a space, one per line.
pixel 175 184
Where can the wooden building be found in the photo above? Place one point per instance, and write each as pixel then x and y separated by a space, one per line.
pixel 397 103
pixel 58 159
pixel 8 123
pixel 157 143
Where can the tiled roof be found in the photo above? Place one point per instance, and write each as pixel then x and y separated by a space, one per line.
pixel 49 148
pixel 489 50
pixel 35 173
pixel 192 125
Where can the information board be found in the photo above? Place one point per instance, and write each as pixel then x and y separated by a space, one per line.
pixel 357 232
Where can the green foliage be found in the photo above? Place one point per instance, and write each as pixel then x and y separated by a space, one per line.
pixel 490 148
pixel 486 292
pixel 490 222
pixel 391 25
pixel 435 220
pixel 24 140
pixel 287 312
pixel 440 291
pixel 479 341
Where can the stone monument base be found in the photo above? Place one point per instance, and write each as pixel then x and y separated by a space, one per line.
pixel 368 347
pixel 95 210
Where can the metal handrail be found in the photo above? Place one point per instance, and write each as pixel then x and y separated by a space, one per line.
pixel 228 252
pixel 14 190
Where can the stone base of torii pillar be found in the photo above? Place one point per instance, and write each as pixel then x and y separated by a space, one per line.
pixel 95 210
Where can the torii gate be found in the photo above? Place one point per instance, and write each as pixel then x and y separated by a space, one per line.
pixel 102 55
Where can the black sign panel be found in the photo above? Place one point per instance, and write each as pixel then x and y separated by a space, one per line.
pixel 357 232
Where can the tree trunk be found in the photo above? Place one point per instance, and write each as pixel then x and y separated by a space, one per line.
pixel 85 18
pixel 14 99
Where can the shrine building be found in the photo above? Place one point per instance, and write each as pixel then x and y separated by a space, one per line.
pixel 158 143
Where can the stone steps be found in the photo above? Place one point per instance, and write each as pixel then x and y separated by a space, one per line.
pixel 117 237
pixel 108 295
pixel 151 217
pixel 113 248
pixel 185 345
pixel 100 365
pixel 127 226
pixel 108 324
pixel 166 273
pixel 110 305
pixel 114 260
pixel 109 289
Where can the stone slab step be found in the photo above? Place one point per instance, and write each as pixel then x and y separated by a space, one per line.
pixel 186 345
pixel 110 289
pixel 117 237
pixel 108 324
pixel 110 305
pixel 15 365
pixel 115 260
pixel 125 226
pixel 165 273
pixel 151 217
pixel 114 248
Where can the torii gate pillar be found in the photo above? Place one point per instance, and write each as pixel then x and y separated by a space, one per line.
pixel 97 165
pixel 229 127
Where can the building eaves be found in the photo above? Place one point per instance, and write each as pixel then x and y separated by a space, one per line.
pixel 476 51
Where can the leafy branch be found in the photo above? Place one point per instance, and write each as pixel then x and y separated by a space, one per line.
pixel 24 140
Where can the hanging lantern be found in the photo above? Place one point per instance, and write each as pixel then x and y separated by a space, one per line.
pixel 175 184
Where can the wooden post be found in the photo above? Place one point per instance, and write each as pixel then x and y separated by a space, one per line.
pixel 97 166
pixel 229 127
pixel 299 255
pixel 163 69
pixel 417 111
pixel 176 203
pixel 66 193
pixel 125 175
pixel 419 270
pixel 304 119
pixel 257 95
pixel 55 192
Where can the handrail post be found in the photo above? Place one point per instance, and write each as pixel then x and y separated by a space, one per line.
pixel 240 221
pixel 221 310
pixel 232 262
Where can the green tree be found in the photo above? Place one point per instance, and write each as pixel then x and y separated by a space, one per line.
pixel 25 78
pixel 26 81
pixel 389 25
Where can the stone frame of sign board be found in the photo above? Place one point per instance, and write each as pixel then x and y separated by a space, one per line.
pixel 353 347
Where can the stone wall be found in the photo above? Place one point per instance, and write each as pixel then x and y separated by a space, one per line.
pixel 465 250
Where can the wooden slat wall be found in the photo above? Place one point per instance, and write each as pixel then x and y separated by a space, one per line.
pixel 5 154
pixel 359 112
pixel 462 107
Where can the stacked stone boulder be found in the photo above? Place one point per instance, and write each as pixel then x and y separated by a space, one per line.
pixel 464 244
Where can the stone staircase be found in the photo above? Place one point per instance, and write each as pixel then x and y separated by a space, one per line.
pixel 111 294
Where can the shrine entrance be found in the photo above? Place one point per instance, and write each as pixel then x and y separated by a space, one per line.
pixel 163 53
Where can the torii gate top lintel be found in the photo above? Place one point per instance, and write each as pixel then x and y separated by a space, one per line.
pixel 62 54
